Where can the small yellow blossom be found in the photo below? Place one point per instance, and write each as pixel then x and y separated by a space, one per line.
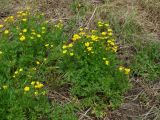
pixel 64 51
pixel 104 33
pixel 5 87
pixel 26 89
pixel 21 69
pixel 33 33
pixel 43 28
pixel 64 46
pixel 104 58
pixel 38 85
pixel 94 37
pixel 71 54
pixel 89 48
pixel 24 19
pixel 1 26
pixel 6 31
pixel 127 71
pixel 46 45
pixel 44 93
pixel 33 83
pixel 38 35
pixel 36 93
pixel 81 29
pixel 22 38
pixel 20 33
pixel 110 30
pixel 87 44
pixel 1 52
pixel 70 45
pixel 121 68
pixel 37 62
pixel 107 25
pixel 32 37
pixel 16 72
pixel 45 59
pixel 107 62
pixel 82 33
pixel 24 30
pixel 110 33
pixel 76 37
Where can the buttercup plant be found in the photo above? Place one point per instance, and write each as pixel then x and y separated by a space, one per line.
pixel 97 77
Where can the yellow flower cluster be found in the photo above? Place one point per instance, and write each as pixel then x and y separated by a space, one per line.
pixel 76 37
pixel 17 72
pixel 111 45
pixel 9 19
pixel 125 70
pixel 37 85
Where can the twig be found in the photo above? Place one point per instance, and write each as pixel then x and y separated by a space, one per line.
pixel 83 115
pixel 91 17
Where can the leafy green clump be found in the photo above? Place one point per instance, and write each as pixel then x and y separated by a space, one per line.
pixel 96 74
pixel 28 52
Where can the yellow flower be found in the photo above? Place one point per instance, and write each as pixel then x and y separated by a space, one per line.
pixel 127 71
pixel 87 44
pixel 45 59
pixel 33 83
pixel 64 47
pixel 21 69
pixel 107 25
pixel 100 24
pixel 94 38
pixel 16 72
pixel 20 33
pixel 107 62
pixel 26 89
pixel 5 87
pixel 115 49
pixel 1 52
pixel 37 62
pixel 43 28
pixel 82 33
pixel 71 54
pixel 24 19
pixel 1 26
pixel 121 68
pixel 89 48
pixel 46 45
pixel 38 35
pixel 104 33
pixel 36 93
pixel 24 30
pixel 32 37
pixel 81 29
pixel 70 45
pixel 38 85
pixel 110 33
pixel 44 92
pixel 22 38
pixel 109 30
pixel 76 37
pixel 33 33
pixel 64 51
pixel 6 31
